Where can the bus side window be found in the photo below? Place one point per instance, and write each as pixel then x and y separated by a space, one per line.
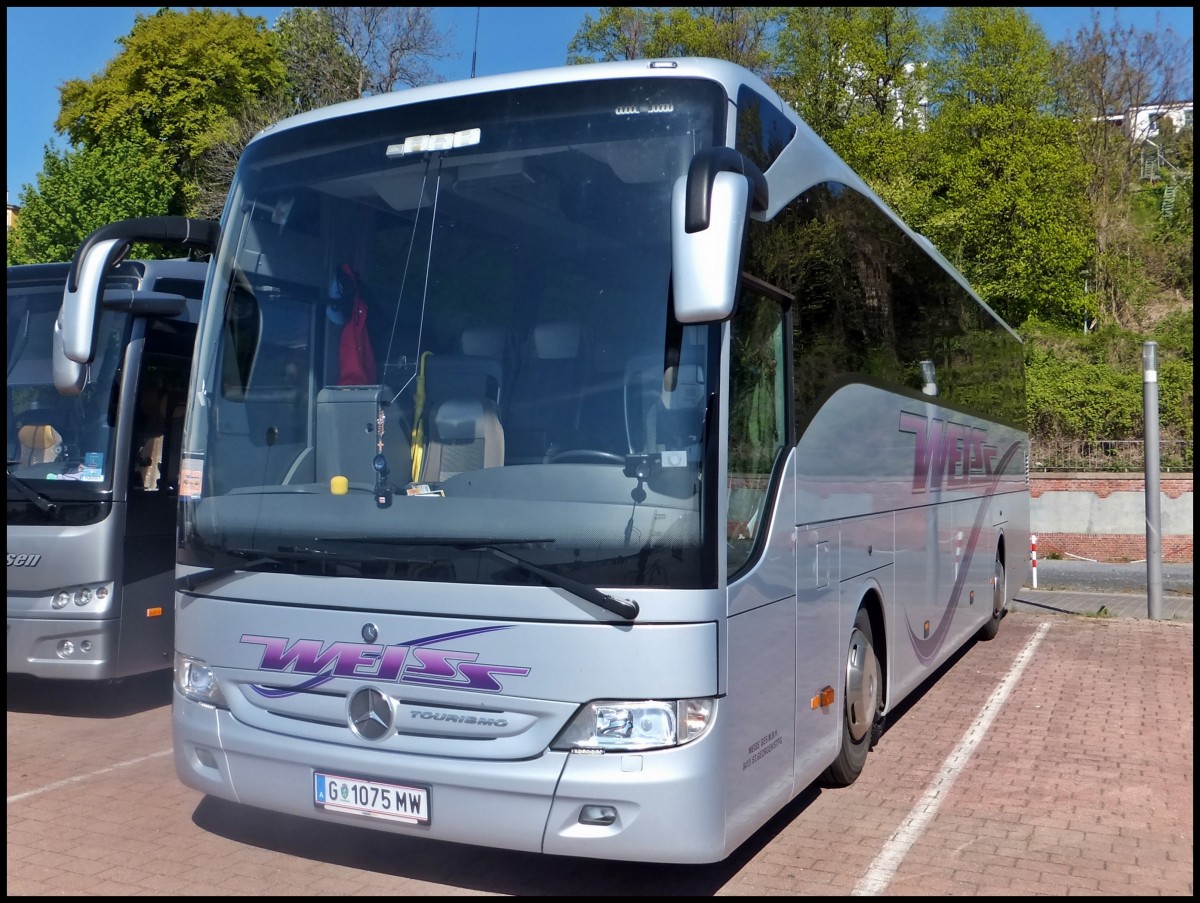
pixel 757 424
pixel 243 325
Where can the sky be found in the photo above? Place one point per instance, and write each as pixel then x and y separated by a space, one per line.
pixel 47 47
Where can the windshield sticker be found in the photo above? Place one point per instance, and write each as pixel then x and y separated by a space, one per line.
pixel 191 479
pixel 93 467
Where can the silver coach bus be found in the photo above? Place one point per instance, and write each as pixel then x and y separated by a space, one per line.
pixel 93 476
pixel 581 461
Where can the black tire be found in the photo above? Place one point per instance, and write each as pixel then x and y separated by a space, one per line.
pixel 862 695
pixel 999 600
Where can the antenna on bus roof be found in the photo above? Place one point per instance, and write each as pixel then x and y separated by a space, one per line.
pixel 475 48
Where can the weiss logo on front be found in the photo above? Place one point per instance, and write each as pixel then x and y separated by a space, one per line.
pixel 23 560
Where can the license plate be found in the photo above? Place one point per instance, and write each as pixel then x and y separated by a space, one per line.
pixel 375 799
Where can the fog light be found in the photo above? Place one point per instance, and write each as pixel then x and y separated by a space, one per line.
pixel 66 648
pixel 83 597
pixel 597 815
pixel 60 600
pixel 85 646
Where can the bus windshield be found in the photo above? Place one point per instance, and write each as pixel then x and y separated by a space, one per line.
pixel 439 346
pixel 63 443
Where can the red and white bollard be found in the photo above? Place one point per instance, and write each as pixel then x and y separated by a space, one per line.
pixel 1033 556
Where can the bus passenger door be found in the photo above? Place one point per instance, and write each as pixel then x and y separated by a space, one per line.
pixel 152 478
pixel 761 561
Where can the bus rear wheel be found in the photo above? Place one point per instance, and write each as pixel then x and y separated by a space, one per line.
pixel 863 696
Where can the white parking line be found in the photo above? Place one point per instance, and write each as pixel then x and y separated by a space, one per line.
pixel 880 874
pixel 17 797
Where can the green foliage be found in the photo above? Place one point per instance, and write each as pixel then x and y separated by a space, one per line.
pixel 320 71
pixel 176 87
pixel 80 191
pixel 618 33
pixel 742 35
pixel 1089 401
pixel 870 112
pixel 1006 187
pixel 1175 336
pixel 1091 386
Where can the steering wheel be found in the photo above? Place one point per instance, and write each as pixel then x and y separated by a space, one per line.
pixel 585 456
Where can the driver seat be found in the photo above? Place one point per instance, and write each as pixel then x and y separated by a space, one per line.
pixel 41 443
pixel 461 421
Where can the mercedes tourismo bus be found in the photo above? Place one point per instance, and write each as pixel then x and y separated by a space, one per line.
pixel 93 475
pixel 581 461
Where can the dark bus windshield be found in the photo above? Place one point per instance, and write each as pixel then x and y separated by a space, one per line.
pixel 438 328
pixel 65 444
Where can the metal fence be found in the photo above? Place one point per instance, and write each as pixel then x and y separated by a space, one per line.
pixel 1107 455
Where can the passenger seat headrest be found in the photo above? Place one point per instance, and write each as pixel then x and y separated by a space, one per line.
pixel 556 341
pixel 484 341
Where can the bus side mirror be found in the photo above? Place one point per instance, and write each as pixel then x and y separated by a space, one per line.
pixel 709 210
pixel 69 376
pixel 74 341
pixel 73 344
pixel 80 309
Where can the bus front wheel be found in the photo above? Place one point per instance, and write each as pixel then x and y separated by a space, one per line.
pixel 862 696
pixel 999 598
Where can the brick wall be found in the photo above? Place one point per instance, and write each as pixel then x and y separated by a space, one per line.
pixel 1104 485
pixel 1103 516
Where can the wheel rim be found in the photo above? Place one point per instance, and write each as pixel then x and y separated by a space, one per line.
pixel 1000 590
pixel 862 686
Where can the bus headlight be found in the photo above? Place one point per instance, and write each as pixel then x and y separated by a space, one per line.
pixel 83 596
pixel 196 680
pixel 620 726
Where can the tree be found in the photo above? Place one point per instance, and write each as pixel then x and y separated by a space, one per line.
pixel 320 68
pixel 319 71
pixel 1104 75
pixel 79 191
pixel 1005 191
pixel 855 74
pixel 618 33
pixel 176 86
pixel 330 54
pixel 743 35
pixel 395 46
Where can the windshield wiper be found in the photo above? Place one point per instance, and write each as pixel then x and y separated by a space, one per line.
pixel 625 608
pixel 35 498
pixel 199 578
pixel 189 582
